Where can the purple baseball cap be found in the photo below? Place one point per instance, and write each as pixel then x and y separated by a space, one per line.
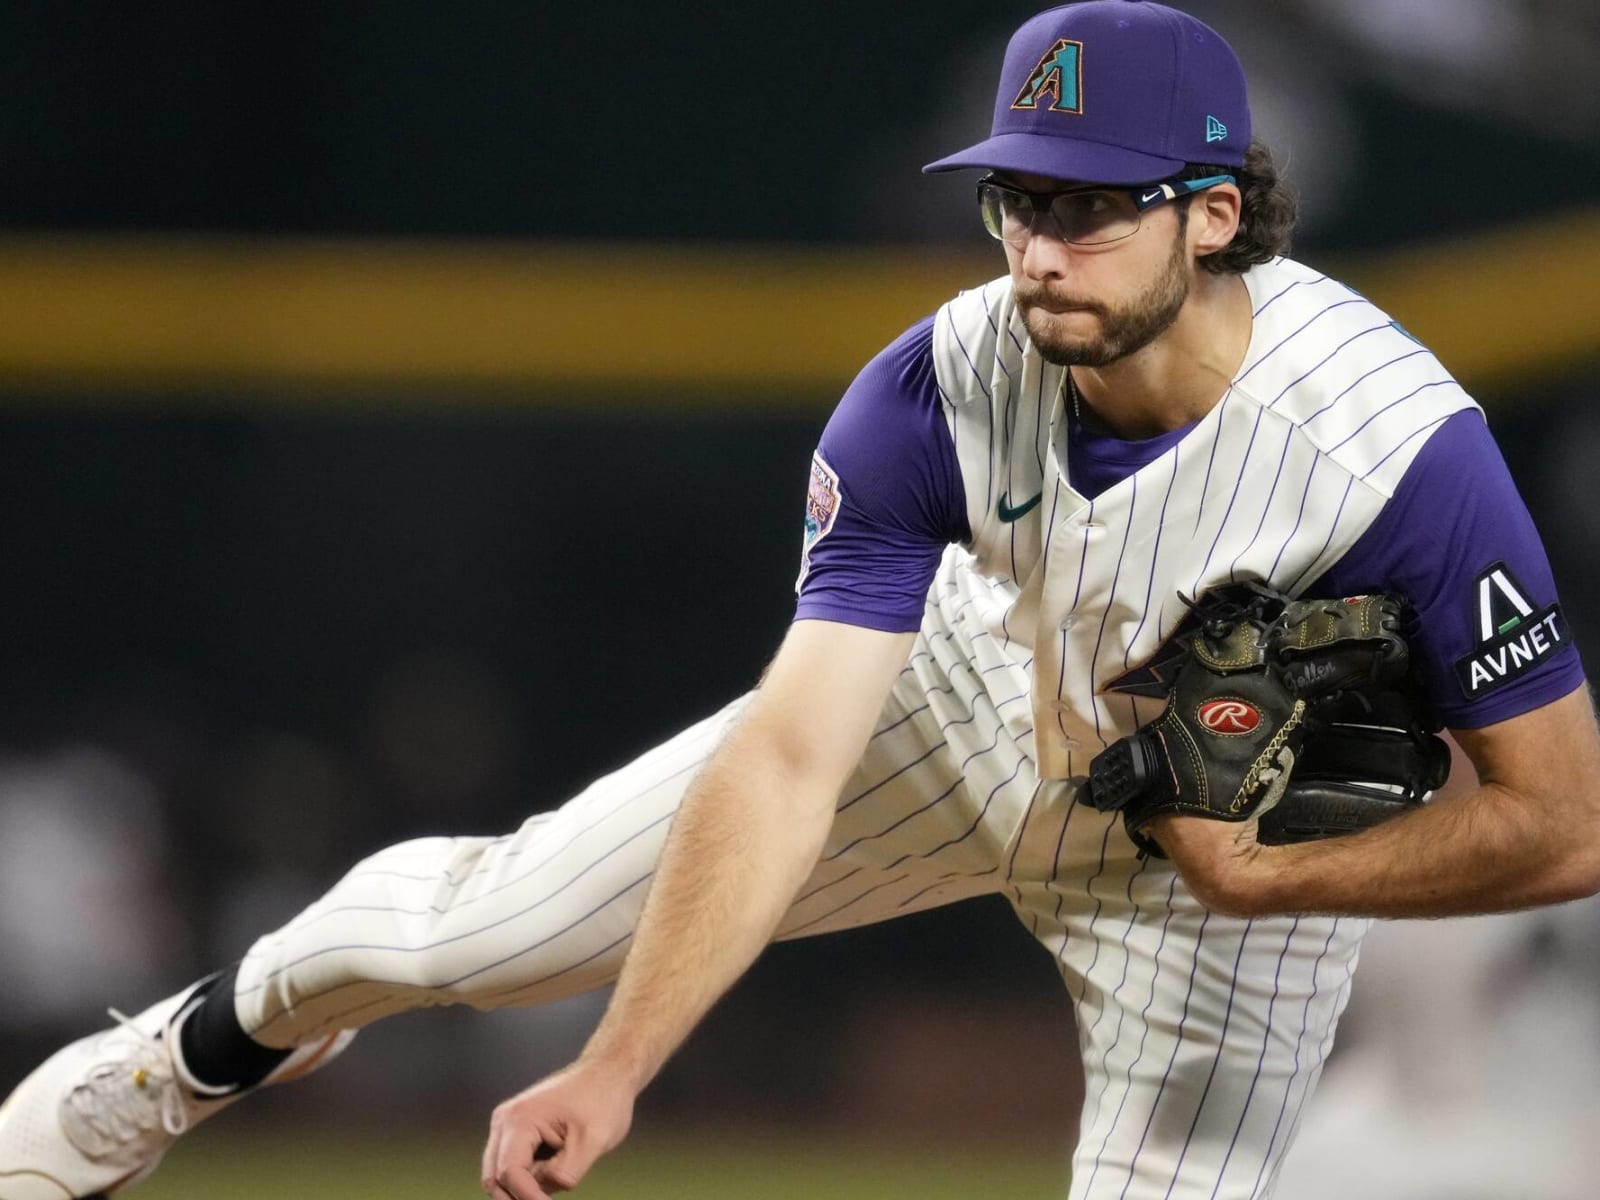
pixel 1114 91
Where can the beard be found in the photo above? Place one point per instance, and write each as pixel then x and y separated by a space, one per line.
pixel 1124 329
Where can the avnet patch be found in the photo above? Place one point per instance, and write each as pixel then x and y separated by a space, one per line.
pixel 1513 636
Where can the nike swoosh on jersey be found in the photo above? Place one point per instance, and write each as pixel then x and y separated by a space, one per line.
pixel 1009 514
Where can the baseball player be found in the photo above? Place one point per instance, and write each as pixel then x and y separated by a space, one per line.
pixel 1005 520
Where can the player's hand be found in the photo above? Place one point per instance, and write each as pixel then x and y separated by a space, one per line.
pixel 1221 862
pixel 544 1140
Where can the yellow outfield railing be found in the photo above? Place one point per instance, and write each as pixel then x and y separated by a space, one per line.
pixel 719 323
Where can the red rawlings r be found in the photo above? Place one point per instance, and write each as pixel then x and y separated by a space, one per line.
pixel 1229 716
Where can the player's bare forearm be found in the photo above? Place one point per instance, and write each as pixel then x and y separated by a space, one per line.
pixel 744 840
pixel 1528 835
pixel 746 836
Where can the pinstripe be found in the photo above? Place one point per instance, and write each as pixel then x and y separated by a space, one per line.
pixel 951 414
pixel 1155 557
pixel 1266 508
pixel 1325 360
pixel 1250 370
pixel 1038 422
pixel 1357 381
pixel 1051 884
pixel 971 829
pixel 988 487
pixel 1012 335
pixel 543 980
pixel 401 983
pixel 1387 407
pixel 999 358
pixel 1144 1036
pixel 1016 847
pixel 1011 482
pixel 1216 437
pixel 822 887
pixel 454 938
pixel 1299 515
pixel 562 932
pixel 856 799
pixel 1305 1024
pixel 1177 1043
pixel 1099 905
pixel 976 375
pixel 871 837
pixel 384 873
pixel 848 903
pixel 1222 1045
pixel 1406 441
pixel 941 882
pixel 1297 283
pixel 455 885
pixel 1122 1012
pixel 1294 588
pixel 1105 609
pixel 1244 467
pixel 1050 526
pixel 1261 1060
pixel 1083 558
pixel 893 725
pixel 1316 1071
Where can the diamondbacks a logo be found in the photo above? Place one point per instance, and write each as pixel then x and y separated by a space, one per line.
pixel 1513 636
pixel 1228 716
pixel 1059 75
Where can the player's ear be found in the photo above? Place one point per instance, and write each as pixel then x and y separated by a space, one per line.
pixel 1213 218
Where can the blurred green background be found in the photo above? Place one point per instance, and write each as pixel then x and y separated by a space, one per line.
pixel 404 411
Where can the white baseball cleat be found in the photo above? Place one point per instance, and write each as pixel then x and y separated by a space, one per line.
pixel 98 1115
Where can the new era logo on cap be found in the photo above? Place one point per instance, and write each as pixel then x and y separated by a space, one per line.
pixel 1216 131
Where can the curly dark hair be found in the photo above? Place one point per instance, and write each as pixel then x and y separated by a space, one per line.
pixel 1266 217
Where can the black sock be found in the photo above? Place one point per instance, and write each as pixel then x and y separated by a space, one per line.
pixel 216 1050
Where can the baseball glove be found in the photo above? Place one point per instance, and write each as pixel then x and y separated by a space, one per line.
pixel 1304 714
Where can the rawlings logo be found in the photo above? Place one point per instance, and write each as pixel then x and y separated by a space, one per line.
pixel 1228 717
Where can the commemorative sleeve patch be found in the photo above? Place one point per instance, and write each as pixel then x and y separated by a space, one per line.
pixel 822 509
pixel 1513 637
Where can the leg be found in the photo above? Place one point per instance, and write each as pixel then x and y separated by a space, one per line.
pixel 1202 1036
pixel 925 819
pixel 535 916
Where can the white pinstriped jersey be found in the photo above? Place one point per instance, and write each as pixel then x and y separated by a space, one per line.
pixel 1332 402
pixel 1202 1036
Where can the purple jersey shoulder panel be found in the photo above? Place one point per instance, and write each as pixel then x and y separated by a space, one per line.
pixel 900 498
pixel 1457 541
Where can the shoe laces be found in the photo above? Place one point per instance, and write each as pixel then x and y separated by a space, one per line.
pixel 123 1101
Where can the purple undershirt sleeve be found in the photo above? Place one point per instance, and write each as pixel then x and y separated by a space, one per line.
pixel 1457 540
pixel 885 497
